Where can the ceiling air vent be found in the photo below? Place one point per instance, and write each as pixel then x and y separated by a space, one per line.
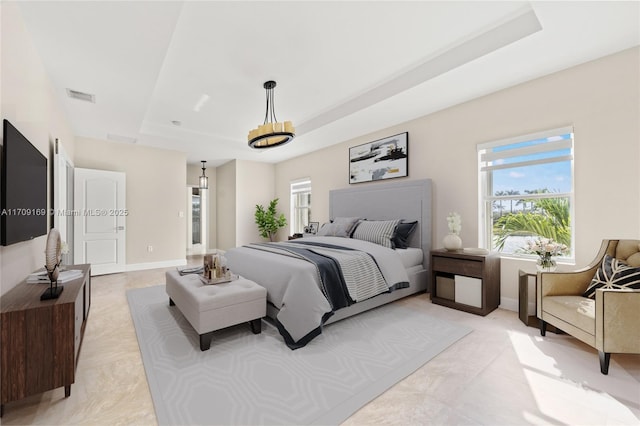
pixel 74 94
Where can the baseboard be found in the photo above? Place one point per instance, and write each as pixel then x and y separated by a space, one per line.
pixel 155 265
pixel 509 304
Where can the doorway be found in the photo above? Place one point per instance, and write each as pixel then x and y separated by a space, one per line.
pixel 198 220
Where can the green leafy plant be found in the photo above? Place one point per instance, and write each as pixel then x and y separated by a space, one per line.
pixel 549 218
pixel 268 220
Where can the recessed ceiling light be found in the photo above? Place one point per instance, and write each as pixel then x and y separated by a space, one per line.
pixel 81 96
pixel 176 122
pixel 118 138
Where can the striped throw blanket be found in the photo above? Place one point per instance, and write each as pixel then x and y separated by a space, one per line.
pixel 358 273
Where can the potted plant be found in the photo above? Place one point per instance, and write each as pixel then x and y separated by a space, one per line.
pixel 268 220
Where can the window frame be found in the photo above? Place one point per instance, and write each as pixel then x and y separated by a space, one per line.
pixel 485 181
pixel 296 187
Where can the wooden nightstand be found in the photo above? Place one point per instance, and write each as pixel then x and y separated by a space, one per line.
pixel 468 282
pixel 525 278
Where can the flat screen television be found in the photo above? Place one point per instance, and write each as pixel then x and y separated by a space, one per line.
pixel 23 199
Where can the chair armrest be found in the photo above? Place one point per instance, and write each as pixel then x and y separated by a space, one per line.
pixel 617 319
pixel 565 283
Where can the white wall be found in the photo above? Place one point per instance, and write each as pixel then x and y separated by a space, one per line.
pixel 241 185
pixel 156 194
pixel 226 205
pixel 600 99
pixel 254 185
pixel 30 104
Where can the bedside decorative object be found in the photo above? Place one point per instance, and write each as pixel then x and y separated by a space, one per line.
pixel 313 227
pixel 207 266
pixel 215 269
pixel 382 159
pixel 452 240
pixel 53 257
pixel 475 250
pixel 545 248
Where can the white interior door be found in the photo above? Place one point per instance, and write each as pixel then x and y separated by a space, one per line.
pixel 99 226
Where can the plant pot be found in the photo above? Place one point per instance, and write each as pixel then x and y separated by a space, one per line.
pixel 452 242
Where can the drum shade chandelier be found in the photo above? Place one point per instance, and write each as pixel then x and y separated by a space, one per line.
pixel 204 180
pixel 271 133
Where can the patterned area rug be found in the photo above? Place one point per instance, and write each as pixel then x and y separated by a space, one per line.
pixel 252 379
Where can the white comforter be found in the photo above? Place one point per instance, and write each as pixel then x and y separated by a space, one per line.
pixel 292 284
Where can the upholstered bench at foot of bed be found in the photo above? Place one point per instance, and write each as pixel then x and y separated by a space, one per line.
pixel 213 307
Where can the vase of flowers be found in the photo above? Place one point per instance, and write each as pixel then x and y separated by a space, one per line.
pixel 545 249
pixel 452 240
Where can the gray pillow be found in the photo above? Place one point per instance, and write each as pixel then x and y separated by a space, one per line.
pixel 339 227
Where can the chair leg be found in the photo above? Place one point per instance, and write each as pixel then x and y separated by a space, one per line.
pixel 543 327
pixel 604 361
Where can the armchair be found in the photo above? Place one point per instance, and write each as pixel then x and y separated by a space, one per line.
pixel 611 321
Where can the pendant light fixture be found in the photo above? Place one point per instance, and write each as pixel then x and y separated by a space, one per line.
pixel 204 180
pixel 271 133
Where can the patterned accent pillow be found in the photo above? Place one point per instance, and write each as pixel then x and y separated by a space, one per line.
pixel 376 231
pixel 613 273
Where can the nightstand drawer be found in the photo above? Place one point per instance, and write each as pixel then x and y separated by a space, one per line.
pixel 471 268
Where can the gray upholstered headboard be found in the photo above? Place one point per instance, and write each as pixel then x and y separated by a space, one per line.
pixel 408 199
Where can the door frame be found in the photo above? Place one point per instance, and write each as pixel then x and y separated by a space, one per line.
pixel 63 192
pixel 204 221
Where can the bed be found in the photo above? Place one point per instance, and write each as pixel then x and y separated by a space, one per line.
pixel 297 300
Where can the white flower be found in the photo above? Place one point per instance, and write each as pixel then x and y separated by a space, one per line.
pixel 544 247
pixel 454 223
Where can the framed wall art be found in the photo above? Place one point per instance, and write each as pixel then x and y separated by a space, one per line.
pixel 313 227
pixel 382 159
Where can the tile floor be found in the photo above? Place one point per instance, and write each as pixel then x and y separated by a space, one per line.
pixel 503 373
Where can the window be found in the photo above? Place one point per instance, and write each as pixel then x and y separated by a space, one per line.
pixel 526 190
pixel 300 205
